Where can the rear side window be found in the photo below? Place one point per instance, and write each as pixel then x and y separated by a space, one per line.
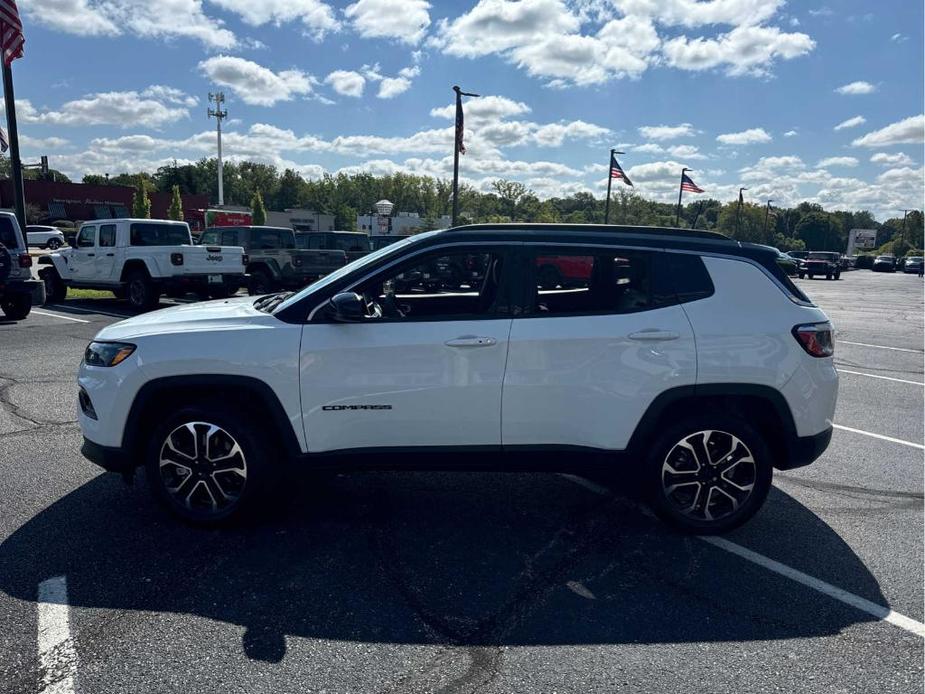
pixel 585 281
pixel 154 234
pixel 7 235
pixel 108 235
pixel 688 277
pixel 264 239
pixel 230 238
pixel 781 276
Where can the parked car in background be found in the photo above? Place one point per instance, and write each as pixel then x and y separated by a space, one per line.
pixel 790 264
pixel 45 236
pixel 274 262
pixel 913 265
pixel 657 364
pixel 825 263
pixel 138 259
pixel 18 291
pixel 381 241
pixel 354 243
pixel 884 263
pixel 799 255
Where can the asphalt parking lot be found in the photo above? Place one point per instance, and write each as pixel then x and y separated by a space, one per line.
pixel 440 582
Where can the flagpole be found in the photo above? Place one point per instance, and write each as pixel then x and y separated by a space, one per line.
pixel 609 181
pixel 15 163
pixel 738 209
pixel 677 219
pixel 767 212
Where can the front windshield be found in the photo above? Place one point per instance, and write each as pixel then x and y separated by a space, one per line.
pixel 351 267
pixel 821 256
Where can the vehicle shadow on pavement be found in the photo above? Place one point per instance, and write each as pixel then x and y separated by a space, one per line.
pixel 464 559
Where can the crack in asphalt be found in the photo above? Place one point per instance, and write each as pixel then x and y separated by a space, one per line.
pixel 14 410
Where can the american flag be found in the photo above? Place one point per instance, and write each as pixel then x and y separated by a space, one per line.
pixel 688 185
pixel 616 171
pixel 11 38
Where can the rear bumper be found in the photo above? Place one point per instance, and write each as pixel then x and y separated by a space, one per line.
pixel 803 450
pixel 111 459
pixel 202 281
pixel 34 287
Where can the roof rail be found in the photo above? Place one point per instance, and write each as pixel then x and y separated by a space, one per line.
pixel 596 228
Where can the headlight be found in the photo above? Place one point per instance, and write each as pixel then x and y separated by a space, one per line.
pixel 107 353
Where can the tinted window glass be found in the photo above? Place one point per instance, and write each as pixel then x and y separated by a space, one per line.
pixel 209 238
pixel 230 238
pixel 345 242
pixel 87 237
pixel 264 239
pixel 154 234
pixel 688 277
pixel 108 235
pixel 579 282
pixel 313 241
pixel 7 235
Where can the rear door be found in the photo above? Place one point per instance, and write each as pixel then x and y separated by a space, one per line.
pixel 600 336
pixel 105 261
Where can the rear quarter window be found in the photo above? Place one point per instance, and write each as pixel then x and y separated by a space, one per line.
pixel 7 233
pixel 688 277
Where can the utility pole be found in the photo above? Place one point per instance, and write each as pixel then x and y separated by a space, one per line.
pixel 905 213
pixel 218 98
pixel 738 210
pixel 767 213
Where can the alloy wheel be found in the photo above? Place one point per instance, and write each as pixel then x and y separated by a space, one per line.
pixel 202 467
pixel 709 475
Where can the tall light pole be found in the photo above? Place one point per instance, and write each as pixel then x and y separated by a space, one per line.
pixel 905 214
pixel 218 98
pixel 739 209
pixel 767 213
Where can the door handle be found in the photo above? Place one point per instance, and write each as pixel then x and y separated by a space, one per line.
pixel 110 255
pixel 654 335
pixel 90 255
pixel 471 341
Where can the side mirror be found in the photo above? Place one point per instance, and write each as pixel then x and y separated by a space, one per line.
pixel 72 242
pixel 346 307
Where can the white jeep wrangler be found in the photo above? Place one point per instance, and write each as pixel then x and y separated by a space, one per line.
pixel 685 359
pixel 137 259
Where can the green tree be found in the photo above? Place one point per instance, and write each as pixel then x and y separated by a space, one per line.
pixel 175 211
pixel 95 180
pixel 141 203
pixel 258 211
pixel 819 232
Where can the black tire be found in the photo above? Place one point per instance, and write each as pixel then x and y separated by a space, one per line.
pixel 16 306
pixel 829 276
pixel 236 495
pixel 119 293
pixel 53 244
pixel 668 453
pixel 810 275
pixel 140 291
pixel 800 275
pixel 260 283
pixel 548 277
pixel 55 289
pixel 838 275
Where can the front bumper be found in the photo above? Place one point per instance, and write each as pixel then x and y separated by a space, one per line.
pixel 108 458
pixel 803 450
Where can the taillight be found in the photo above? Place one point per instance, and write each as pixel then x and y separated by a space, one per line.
pixel 176 258
pixel 297 262
pixel 25 260
pixel 818 339
pixel 245 259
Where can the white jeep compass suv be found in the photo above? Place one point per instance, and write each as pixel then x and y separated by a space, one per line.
pixel 682 357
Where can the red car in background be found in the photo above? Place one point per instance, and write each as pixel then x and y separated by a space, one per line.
pixel 564 271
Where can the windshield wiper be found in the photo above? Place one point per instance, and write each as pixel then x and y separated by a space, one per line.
pixel 271 301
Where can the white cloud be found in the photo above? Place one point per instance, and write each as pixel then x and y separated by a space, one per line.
pixel 554 134
pixel 42 143
pixel 691 13
pixel 899 38
pixel 791 133
pixel 898 159
pixel 163 19
pixel 683 152
pixel 851 123
pixel 837 161
pixel 746 50
pixel 666 132
pixel 391 87
pixel 346 82
pixel 403 20
pixel 746 137
pixel 907 131
pixel 253 83
pixel 484 108
pixel 317 16
pixel 125 109
pixel 856 88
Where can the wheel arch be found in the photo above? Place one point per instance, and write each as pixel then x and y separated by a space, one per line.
pixel 170 392
pixel 133 265
pixel 267 266
pixel 762 406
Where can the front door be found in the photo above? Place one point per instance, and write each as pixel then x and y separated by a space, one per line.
pixel 599 339
pixel 425 368
pixel 82 260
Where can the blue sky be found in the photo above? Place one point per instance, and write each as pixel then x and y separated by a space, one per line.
pixel 794 100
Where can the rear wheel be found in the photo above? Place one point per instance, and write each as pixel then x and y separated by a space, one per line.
pixel 800 275
pixel 709 474
pixel 16 306
pixel 53 244
pixel 828 276
pixel 55 289
pixel 260 283
pixel 140 291
pixel 208 465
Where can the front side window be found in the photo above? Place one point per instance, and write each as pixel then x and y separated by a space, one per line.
pixel 108 235
pixel 209 238
pixel 591 282
pixel 7 234
pixel 87 237
pixel 447 286
pixel 350 243
pixel 154 234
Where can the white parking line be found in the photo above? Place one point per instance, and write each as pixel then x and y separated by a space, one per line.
pixel 57 315
pixel 884 378
pixel 880 436
pixel 879 611
pixel 867 344
pixel 57 656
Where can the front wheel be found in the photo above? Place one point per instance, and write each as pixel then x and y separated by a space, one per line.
pixel 55 289
pixel 208 465
pixel 800 275
pixel 16 306
pixel 709 474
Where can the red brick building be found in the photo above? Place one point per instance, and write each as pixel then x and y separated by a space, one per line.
pixel 78 202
